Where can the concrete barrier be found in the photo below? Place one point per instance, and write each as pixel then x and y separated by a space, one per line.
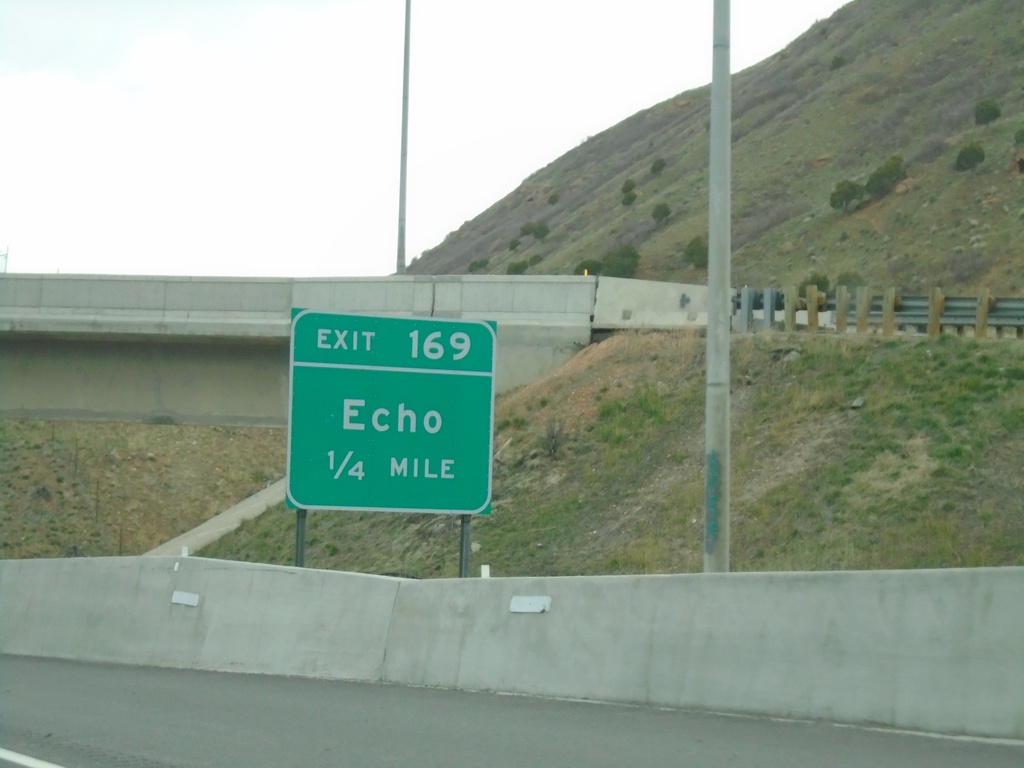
pixel 621 304
pixel 245 617
pixel 938 651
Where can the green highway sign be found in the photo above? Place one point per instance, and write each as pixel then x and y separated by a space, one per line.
pixel 390 414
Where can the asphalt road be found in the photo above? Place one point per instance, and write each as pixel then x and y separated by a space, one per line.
pixel 92 716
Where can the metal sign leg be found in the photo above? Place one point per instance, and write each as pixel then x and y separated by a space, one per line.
pixel 464 547
pixel 300 538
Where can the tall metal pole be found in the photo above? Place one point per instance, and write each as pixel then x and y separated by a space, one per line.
pixel 716 450
pixel 400 266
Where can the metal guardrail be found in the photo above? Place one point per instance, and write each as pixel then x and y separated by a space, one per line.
pixel 862 309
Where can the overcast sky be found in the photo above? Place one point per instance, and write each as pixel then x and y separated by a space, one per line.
pixel 262 137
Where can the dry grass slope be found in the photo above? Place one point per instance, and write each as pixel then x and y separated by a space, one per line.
pixel 105 489
pixel 598 469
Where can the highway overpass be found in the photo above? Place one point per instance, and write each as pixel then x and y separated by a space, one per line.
pixel 215 350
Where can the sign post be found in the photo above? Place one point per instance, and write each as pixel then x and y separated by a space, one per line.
pixel 390 414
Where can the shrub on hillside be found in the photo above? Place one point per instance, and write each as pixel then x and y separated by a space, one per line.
pixel 986 112
pixel 514 243
pixel 516 268
pixel 479 264
pixel 817 279
pixel 660 213
pixel 536 229
pixel 629 198
pixel 657 166
pixel 1018 138
pixel 846 193
pixel 553 198
pixel 588 267
pixel 535 260
pixel 628 186
pixel 886 177
pixel 838 62
pixel 621 262
pixel 970 157
pixel 696 252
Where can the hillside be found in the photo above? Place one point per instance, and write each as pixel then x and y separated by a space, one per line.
pixel 876 79
pixel 599 468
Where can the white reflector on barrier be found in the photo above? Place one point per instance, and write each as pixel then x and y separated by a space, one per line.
pixel 530 604
pixel 185 598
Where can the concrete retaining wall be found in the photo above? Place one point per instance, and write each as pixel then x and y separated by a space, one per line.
pixel 179 381
pixel 938 651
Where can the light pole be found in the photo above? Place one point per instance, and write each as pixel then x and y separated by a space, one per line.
pixel 716 447
pixel 400 266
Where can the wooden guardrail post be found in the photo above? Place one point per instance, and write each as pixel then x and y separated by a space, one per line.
pixel 863 308
pixel 842 308
pixel 768 323
pixel 981 319
pixel 936 306
pixel 889 313
pixel 791 296
pixel 812 308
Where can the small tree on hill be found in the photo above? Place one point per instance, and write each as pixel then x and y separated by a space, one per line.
pixel 660 213
pixel 516 268
pixel 846 193
pixel 628 186
pixel 1018 138
pixel 886 177
pixel 987 111
pixel 536 229
pixel 970 157
pixel 622 262
pixel 696 252
pixel 657 166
